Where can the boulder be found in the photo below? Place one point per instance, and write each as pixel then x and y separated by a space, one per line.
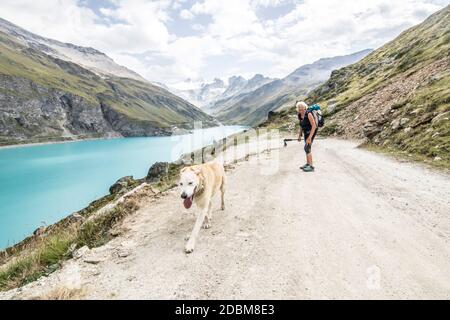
pixel 331 108
pixel 76 217
pixel 39 231
pixel 371 129
pixel 81 252
pixel 157 171
pixel 121 184
pixel 403 121
pixel 271 115
pixel 395 124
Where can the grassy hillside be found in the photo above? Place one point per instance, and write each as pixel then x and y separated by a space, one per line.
pixel 397 98
pixel 29 77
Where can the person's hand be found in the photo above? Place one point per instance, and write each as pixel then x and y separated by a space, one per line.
pixel 308 140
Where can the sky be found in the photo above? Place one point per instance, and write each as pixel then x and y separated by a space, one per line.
pixel 171 41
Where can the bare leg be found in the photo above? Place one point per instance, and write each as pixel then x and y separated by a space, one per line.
pixel 309 159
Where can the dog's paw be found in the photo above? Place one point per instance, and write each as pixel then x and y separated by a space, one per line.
pixel 189 248
pixel 187 237
pixel 222 208
pixel 206 225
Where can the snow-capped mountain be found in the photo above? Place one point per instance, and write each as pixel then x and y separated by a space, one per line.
pixel 88 58
pixel 207 95
pixel 252 107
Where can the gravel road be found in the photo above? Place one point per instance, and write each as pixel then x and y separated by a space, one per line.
pixel 362 226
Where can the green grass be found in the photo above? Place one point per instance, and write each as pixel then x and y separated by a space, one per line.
pixel 50 252
pixel 41 261
pixel 408 156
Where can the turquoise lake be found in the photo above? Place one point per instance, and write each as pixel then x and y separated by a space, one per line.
pixel 42 184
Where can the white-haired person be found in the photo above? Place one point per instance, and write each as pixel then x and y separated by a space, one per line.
pixel 308 128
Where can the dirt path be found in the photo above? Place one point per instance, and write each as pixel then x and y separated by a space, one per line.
pixel 361 226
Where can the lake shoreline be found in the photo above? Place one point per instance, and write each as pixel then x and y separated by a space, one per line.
pixel 70 140
pixel 32 144
pixel 106 185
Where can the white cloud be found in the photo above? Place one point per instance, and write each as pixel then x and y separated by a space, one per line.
pixel 186 14
pixel 143 34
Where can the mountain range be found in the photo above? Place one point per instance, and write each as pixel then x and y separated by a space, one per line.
pixel 251 107
pixel 51 90
pixel 209 95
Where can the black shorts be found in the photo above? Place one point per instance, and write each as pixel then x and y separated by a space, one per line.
pixel 308 146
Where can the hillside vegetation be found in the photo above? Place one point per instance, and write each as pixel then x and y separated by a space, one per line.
pixel 397 98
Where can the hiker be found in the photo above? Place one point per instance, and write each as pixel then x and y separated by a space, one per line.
pixel 308 127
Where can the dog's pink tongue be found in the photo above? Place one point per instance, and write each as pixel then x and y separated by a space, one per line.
pixel 187 202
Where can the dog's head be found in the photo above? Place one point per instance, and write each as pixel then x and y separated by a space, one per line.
pixel 190 181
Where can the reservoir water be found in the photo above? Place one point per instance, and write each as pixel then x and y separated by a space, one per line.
pixel 42 184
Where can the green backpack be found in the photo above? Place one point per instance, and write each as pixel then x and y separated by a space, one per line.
pixel 317 113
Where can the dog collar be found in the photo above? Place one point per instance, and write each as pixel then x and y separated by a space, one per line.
pixel 198 192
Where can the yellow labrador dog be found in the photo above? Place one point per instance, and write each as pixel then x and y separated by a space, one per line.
pixel 199 184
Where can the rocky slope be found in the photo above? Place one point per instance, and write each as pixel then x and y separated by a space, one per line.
pixel 398 96
pixel 252 107
pixel 46 98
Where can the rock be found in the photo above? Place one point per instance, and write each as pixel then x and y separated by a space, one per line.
pixel 371 129
pixel 121 184
pixel 291 127
pixel 271 115
pixel 157 171
pixel 72 249
pixel 123 253
pixel 395 124
pixel 76 217
pixel 331 108
pixel 437 158
pixel 403 121
pixel 92 260
pixel 39 231
pixel 407 129
pixel 178 162
pixel 81 252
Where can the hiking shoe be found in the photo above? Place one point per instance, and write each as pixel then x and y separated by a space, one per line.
pixel 304 166
pixel 308 168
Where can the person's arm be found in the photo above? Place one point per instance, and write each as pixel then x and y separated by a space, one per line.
pixel 313 128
